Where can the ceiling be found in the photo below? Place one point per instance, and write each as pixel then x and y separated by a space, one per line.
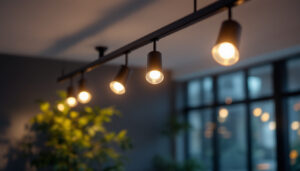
pixel 70 29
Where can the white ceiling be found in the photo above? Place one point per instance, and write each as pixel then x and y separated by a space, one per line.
pixel 70 29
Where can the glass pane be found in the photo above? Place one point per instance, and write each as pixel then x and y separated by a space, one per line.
pixel 260 81
pixel 293 70
pixel 200 137
pixel 194 93
pixel 232 138
pixel 263 136
pixel 207 90
pixel 231 87
pixel 294 131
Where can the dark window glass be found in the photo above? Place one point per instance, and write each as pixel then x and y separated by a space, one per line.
pixel 231 87
pixel 200 92
pixel 260 81
pixel 194 93
pixel 207 90
pixel 294 131
pixel 200 137
pixel 293 74
pixel 232 138
pixel 263 136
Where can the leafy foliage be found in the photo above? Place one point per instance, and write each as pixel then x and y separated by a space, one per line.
pixel 65 139
pixel 163 164
pixel 172 129
pixel 175 126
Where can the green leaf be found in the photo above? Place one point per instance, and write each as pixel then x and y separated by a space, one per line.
pixel 88 109
pixel 121 135
pixel 62 94
pixel 44 106
pixel 109 136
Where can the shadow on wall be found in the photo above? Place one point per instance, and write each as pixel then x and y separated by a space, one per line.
pixel 14 160
pixel 13 129
pixel 117 14
pixel 11 157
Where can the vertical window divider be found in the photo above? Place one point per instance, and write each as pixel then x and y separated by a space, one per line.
pixel 215 144
pixel 282 137
pixel 248 121
pixel 202 101
pixel 185 118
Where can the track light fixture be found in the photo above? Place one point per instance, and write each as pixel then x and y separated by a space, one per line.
pixel 118 85
pixel 84 96
pixel 226 49
pixel 71 99
pixel 154 67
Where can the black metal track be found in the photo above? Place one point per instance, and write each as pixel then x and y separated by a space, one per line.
pixel 182 23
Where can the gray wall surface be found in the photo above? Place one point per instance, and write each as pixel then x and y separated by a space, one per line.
pixel 145 107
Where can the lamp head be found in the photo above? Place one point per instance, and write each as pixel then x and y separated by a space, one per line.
pixel 118 85
pixel 71 100
pixel 84 96
pixel 154 68
pixel 226 51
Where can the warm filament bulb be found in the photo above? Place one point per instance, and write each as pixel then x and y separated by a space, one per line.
pixel 84 97
pixel 71 101
pixel 117 87
pixel 225 53
pixel 154 77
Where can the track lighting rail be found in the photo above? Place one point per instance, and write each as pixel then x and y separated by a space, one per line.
pixel 182 23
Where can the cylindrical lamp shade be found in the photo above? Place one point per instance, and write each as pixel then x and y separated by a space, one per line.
pixel 154 68
pixel 226 49
pixel 118 85
pixel 83 96
pixel 71 100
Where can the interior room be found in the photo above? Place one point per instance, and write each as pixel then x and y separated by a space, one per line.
pixel 150 85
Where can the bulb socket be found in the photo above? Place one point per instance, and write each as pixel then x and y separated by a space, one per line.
pixel 154 61
pixel 230 32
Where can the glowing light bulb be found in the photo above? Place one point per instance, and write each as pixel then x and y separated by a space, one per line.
pixel 225 53
pixel 71 101
pixel 60 107
pixel 117 87
pixel 84 97
pixel 154 77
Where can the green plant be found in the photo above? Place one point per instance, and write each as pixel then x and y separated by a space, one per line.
pixel 163 164
pixel 63 138
pixel 173 127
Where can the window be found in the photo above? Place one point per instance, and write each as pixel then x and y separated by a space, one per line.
pixel 207 91
pixel 294 131
pixel 260 81
pixel 194 93
pixel 232 137
pixel 245 108
pixel 263 136
pixel 293 69
pixel 200 92
pixel 231 87
pixel 200 138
